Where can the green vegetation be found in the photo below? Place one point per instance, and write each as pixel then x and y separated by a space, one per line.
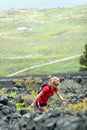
pixel 19 106
pixel 33 37
pixel 3 91
pixel 12 94
pixel 83 59
pixel 78 107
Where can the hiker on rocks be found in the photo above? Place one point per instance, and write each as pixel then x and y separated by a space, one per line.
pixel 47 91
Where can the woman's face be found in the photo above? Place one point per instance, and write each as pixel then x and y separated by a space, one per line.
pixel 55 84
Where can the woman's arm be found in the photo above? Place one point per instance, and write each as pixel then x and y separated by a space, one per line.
pixel 40 94
pixel 59 96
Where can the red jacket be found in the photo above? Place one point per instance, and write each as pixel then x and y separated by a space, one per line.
pixel 48 92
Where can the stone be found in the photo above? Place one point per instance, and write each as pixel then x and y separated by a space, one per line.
pixel 3 99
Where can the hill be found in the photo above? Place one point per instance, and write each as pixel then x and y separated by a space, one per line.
pixel 33 37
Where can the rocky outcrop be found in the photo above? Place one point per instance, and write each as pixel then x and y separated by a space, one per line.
pixel 53 120
pixel 74 88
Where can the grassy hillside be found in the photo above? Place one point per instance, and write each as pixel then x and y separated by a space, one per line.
pixel 32 37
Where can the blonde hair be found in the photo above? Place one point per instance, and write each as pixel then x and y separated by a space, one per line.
pixel 54 80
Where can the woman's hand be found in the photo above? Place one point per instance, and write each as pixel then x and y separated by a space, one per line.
pixel 32 105
pixel 64 103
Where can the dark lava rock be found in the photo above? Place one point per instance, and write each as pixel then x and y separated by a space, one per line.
pixel 3 99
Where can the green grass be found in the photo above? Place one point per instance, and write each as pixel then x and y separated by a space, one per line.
pixel 61 67
pixel 51 34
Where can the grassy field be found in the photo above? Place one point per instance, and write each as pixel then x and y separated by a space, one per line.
pixel 33 37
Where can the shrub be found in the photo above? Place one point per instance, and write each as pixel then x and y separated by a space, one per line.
pixel 83 60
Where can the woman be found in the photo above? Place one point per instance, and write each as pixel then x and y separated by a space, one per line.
pixel 48 91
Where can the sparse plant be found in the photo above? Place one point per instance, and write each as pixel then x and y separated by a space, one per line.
pixel 34 92
pixel 58 109
pixel 37 80
pixel 12 94
pixel 28 99
pixel 55 99
pixel 78 107
pixel 32 84
pixel 3 90
pixel 29 80
pixel 29 88
pixel 31 110
pixel 19 105
pixel 85 104
pixel 18 80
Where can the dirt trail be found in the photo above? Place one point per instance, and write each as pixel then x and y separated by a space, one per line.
pixel 40 65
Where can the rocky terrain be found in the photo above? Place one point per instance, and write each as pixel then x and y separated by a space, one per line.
pixel 16 95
